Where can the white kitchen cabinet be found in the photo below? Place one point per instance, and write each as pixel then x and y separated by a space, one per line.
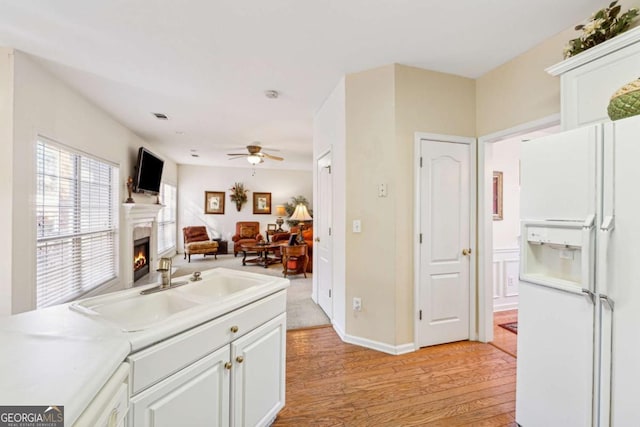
pixel 258 374
pixel 195 396
pixel 229 371
pixel 589 79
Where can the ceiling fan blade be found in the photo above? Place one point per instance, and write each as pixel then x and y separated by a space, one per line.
pixel 269 156
pixel 237 157
pixel 270 149
pixel 238 154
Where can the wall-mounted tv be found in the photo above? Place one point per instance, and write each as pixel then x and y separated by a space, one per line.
pixel 148 172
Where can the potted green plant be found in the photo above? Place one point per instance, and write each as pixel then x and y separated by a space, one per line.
pixel 603 25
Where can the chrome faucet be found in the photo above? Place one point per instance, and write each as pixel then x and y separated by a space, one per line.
pixel 164 267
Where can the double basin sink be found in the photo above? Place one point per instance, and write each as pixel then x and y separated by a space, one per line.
pixel 131 311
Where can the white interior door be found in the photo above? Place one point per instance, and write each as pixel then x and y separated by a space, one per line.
pixel 445 248
pixel 322 244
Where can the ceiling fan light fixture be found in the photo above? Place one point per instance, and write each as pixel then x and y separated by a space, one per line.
pixel 254 159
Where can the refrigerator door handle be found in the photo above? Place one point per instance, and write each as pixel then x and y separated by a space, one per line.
pixel 608 225
pixel 590 295
pixel 608 300
pixel 587 257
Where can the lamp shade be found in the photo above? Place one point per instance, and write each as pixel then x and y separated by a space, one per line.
pixel 281 210
pixel 301 213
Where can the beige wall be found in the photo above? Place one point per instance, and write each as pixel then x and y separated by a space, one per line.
pixel 370 159
pixel 520 91
pixel 43 105
pixel 426 101
pixel 384 109
pixel 6 172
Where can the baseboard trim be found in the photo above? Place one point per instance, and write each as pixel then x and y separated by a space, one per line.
pixel 505 307
pixel 374 345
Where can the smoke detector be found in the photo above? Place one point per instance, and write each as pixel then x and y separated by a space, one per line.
pixel 271 94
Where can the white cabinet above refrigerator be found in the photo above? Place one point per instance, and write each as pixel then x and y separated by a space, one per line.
pixel 559 180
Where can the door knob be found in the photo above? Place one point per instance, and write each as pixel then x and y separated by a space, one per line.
pixel 466 251
pixel 317 239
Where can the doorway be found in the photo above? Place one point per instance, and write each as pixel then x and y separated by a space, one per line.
pixel 499 230
pixel 323 246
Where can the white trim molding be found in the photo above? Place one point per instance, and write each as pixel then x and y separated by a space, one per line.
pixel 374 345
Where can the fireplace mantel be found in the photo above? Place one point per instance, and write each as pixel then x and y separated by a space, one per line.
pixel 141 211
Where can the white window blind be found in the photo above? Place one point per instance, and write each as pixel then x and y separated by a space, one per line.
pixel 167 218
pixel 76 223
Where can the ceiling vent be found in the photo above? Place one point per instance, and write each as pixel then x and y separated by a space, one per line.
pixel 160 116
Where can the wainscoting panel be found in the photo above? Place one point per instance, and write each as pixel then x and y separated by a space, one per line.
pixel 506 264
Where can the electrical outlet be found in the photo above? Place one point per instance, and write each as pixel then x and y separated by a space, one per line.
pixel 357 304
pixel 511 281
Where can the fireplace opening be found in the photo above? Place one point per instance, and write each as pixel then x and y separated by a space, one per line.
pixel 140 258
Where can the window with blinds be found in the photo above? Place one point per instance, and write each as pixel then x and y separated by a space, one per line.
pixel 167 218
pixel 76 223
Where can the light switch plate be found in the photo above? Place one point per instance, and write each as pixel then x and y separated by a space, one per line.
pixel 357 226
pixel 382 190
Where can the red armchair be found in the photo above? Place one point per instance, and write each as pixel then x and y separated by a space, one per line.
pixel 247 232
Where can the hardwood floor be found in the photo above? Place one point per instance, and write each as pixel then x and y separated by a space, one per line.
pixel 503 339
pixel 330 383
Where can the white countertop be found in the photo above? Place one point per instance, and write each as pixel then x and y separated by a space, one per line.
pixel 56 356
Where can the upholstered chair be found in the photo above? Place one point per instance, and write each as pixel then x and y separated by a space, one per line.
pixel 247 232
pixel 196 241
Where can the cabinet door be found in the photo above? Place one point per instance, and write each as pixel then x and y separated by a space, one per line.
pixel 195 396
pixel 258 383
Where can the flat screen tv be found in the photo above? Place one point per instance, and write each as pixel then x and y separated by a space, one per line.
pixel 148 172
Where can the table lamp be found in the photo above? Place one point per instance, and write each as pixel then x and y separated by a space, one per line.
pixel 280 211
pixel 301 214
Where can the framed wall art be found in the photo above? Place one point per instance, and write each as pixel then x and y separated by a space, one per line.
pixel 497 196
pixel 214 202
pixel 261 203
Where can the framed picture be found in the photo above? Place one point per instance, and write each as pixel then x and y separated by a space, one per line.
pixel 261 203
pixel 271 227
pixel 214 202
pixel 497 196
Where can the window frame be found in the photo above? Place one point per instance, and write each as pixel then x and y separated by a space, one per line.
pixel 83 228
pixel 173 220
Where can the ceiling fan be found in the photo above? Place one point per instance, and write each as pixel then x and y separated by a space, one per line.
pixel 255 155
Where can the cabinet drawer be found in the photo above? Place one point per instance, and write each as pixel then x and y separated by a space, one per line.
pixel 161 360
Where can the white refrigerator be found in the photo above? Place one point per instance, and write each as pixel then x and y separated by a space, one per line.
pixel 579 305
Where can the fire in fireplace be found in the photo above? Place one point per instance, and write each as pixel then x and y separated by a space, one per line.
pixel 140 258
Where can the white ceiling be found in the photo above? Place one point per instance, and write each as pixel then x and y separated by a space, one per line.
pixel 207 63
